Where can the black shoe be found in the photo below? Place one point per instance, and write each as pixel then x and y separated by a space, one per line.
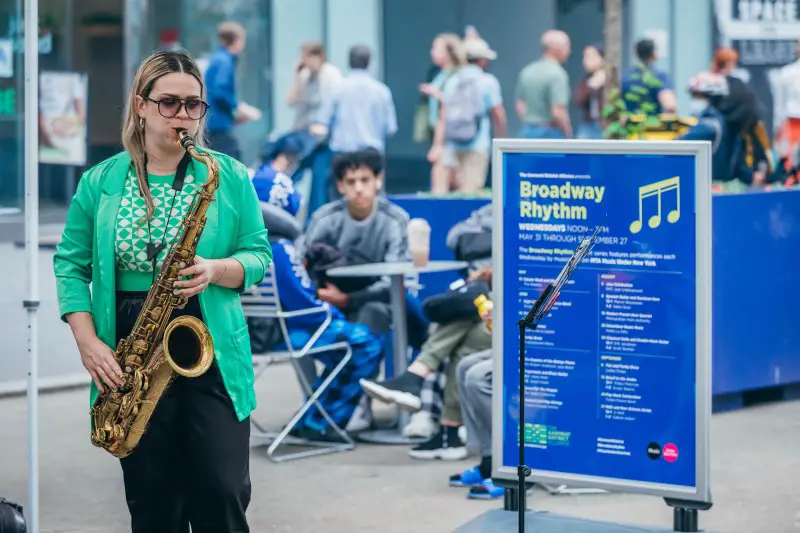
pixel 445 445
pixel 404 390
pixel 321 435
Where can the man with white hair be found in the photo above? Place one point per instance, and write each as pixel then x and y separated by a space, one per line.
pixel 543 91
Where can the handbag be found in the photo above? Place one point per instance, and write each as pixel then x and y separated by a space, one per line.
pixel 12 519
pixel 456 304
pixel 422 131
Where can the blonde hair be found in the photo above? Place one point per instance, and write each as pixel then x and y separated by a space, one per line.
pixel 454 47
pixel 152 68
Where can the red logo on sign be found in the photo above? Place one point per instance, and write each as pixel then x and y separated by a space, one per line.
pixel 670 453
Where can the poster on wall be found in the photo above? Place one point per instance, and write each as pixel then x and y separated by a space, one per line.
pixel 764 33
pixel 617 393
pixel 63 131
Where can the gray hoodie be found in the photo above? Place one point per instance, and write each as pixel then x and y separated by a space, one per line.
pixel 380 238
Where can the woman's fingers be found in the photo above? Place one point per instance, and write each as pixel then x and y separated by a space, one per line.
pixel 108 368
pixel 97 382
pixel 101 373
pixel 191 270
pixel 188 293
pixel 193 282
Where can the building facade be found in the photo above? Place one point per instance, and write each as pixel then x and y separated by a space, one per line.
pixel 105 40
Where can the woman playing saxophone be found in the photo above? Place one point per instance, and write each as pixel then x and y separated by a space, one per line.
pixel 192 461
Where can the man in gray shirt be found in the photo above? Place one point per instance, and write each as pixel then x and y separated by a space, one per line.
pixel 543 91
pixel 367 228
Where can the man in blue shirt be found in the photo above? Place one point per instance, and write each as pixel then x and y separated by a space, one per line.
pixel 359 114
pixel 220 78
pixel 297 292
pixel 645 84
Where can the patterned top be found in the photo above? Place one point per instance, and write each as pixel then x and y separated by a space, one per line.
pixel 132 236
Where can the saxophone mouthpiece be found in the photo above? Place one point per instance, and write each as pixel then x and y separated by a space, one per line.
pixel 184 139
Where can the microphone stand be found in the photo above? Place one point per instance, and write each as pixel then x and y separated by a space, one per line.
pixel 539 310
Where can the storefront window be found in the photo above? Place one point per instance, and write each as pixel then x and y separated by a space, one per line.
pixel 56 52
pixel 192 25
pixel 11 107
pixel 200 19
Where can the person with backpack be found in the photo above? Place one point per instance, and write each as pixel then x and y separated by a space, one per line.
pixel 742 111
pixel 707 91
pixel 469 100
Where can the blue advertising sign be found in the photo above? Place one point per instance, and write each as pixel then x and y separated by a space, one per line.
pixel 617 375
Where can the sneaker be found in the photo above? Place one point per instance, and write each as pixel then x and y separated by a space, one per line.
pixel 404 390
pixel 362 417
pixel 486 490
pixel 420 425
pixel 467 478
pixel 445 445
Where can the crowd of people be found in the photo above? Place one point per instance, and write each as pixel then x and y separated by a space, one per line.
pixel 342 122
pixel 119 235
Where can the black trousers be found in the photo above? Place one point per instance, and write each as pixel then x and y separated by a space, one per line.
pixel 193 463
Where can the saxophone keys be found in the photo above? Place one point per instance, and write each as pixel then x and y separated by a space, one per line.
pixel 139 347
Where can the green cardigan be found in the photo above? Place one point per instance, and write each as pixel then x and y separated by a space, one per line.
pixel 235 228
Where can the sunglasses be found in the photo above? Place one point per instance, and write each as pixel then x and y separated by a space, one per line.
pixel 169 107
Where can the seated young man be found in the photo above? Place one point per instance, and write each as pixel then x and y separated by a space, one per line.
pixel 366 228
pixel 449 343
pixel 297 293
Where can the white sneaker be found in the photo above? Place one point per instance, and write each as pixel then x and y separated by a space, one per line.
pixel 362 417
pixel 420 425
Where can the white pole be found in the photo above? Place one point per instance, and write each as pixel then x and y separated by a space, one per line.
pixel 31 303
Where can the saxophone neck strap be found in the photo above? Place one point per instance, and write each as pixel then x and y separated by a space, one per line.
pixel 180 174
pixel 155 248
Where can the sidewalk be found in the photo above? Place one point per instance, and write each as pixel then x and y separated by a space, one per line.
pixel 51 224
pixel 379 488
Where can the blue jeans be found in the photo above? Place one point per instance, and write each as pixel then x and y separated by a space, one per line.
pixel 533 131
pixel 589 130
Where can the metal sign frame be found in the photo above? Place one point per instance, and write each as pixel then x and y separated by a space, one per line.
pixel 702 212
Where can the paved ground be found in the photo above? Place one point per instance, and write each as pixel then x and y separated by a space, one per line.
pixel 58 357
pixel 378 488
pixel 755 464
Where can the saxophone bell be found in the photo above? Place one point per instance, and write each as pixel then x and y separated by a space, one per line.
pixel 188 347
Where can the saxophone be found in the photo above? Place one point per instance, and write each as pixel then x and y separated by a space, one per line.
pixel 120 417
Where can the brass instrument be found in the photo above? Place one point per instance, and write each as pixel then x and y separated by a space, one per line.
pixel 120 418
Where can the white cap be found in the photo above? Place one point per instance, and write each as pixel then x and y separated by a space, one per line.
pixel 477 48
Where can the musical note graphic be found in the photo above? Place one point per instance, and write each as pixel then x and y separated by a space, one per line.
pixel 657 189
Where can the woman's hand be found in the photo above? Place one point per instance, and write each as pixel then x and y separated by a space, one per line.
pixel 435 153
pixel 101 363
pixel 204 272
pixel 429 90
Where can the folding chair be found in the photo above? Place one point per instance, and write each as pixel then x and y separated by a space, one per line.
pixel 263 300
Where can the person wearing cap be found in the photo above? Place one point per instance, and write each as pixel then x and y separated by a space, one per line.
pixel 478 53
pixel 706 90
pixel 469 159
